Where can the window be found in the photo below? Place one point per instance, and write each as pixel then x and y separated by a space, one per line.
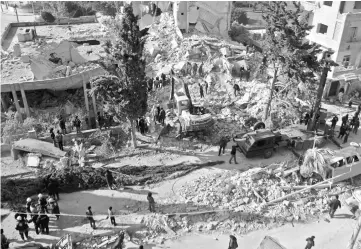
pixel 346 60
pixel 357 5
pixel 353 33
pixel 327 3
pixel 356 159
pixel 322 28
pixel 342 7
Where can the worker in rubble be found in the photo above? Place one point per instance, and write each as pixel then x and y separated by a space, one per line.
pixel 151 202
pixel 4 241
pixel 52 135
pixel 162 116
pixel 110 179
pixel 89 215
pixel 142 125
pixel 158 113
pixel 53 189
pixel 53 205
pixel 22 227
pixel 334 205
pixel 42 203
pixel 34 218
pixel 59 140
pixel 43 221
pixel 310 242
pixel 232 242
pixel 100 120
pixel 111 216
pixel 62 125
pixel 356 126
pixel 201 90
pixel 77 124
pixel 236 89
pixel 222 145
pixel 334 122
pixel 233 154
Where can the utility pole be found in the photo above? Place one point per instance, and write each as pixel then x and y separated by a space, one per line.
pixel 355 234
pixel 274 80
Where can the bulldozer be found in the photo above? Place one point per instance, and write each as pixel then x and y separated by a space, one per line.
pixel 191 120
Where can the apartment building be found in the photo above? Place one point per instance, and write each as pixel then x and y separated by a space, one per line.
pixel 337 27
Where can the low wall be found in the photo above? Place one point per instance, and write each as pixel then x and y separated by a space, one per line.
pixel 5 33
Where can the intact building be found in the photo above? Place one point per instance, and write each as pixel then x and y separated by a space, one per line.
pixel 337 27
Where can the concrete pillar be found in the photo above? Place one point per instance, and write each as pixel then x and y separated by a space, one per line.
pixel 4 104
pixel 86 100
pixel 26 106
pixel 15 97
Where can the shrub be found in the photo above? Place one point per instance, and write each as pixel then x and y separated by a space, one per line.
pixel 47 16
pixel 239 33
pixel 239 16
pixel 31 123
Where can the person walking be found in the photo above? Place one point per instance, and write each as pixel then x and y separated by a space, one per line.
pixel 222 145
pixel 201 90
pixel 54 206
pixel 151 202
pixel 43 220
pixel 23 228
pixel 89 215
pixel 34 219
pixel 59 140
pixel 232 242
pixel 111 216
pixel 62 125
pixel 236 89
pixel 310 242
pixel 356 126
pixel 334 122
pixel 233 154
pixel 110 180
pixel 162 116
pixel 52 135
pixel 342 131
pixel 334 204
pixel 344 119
pixel 347 133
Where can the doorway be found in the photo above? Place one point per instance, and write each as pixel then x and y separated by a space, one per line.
pixel 333 88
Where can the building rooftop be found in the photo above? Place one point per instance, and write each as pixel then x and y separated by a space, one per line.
pixel 82 40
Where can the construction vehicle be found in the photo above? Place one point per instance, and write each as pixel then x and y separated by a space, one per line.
pixel 194 120
pixel 261 143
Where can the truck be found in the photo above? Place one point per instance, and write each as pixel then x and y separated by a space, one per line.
pixel 195 120
pixel 261 143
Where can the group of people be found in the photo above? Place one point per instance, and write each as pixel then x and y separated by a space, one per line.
pixel 157 82
pixel 76 124
pixel 158 114
pixel 347 126
pixel 222 147
pixel 142 125
pixel 104 121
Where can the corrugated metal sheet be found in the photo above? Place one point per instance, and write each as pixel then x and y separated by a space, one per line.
pixel 270 243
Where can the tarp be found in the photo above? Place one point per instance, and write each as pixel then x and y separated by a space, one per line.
pixel 38 146
pixel 270 243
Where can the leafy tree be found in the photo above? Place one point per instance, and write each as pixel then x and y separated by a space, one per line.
pixel 124 89
pixel 239 16
pixel 47 16
pixel 287 53
pixel 239 33
pixel 109 8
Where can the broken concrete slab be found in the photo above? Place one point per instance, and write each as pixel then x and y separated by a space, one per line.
pixel 36 146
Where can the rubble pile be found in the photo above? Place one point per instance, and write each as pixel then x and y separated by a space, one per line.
pixel 107 241
pixel 75 69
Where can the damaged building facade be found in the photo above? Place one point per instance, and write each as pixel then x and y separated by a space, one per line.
pixel 337 28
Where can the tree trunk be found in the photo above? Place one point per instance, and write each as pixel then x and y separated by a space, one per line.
pixel 172 90
pixel 268 107
pixel 134 138
pixel 355 234
pixel 321 86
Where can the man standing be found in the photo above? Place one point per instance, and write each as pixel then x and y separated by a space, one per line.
pixel 158 113
pixel 334 204
pixel 310 242
pixel 52 135
pixel 89 215
pixel 342 131
pixel 233 154
pixel 232 242
pixel 62 125
pixel 344 119
pixel 334 122
pixel 22 227
pixel 42 203
pixel 236 89
pixel 109 179
pixel 59 140
pixel 222 145
pixel 77 124
pixel 43 219
pixel 347 133
pixel 111 216
pixel 356 126
pixel 201 90
pixel 34 218
pixel 53 188
pixel 151 202
pixel 100 120
pixel 162 116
